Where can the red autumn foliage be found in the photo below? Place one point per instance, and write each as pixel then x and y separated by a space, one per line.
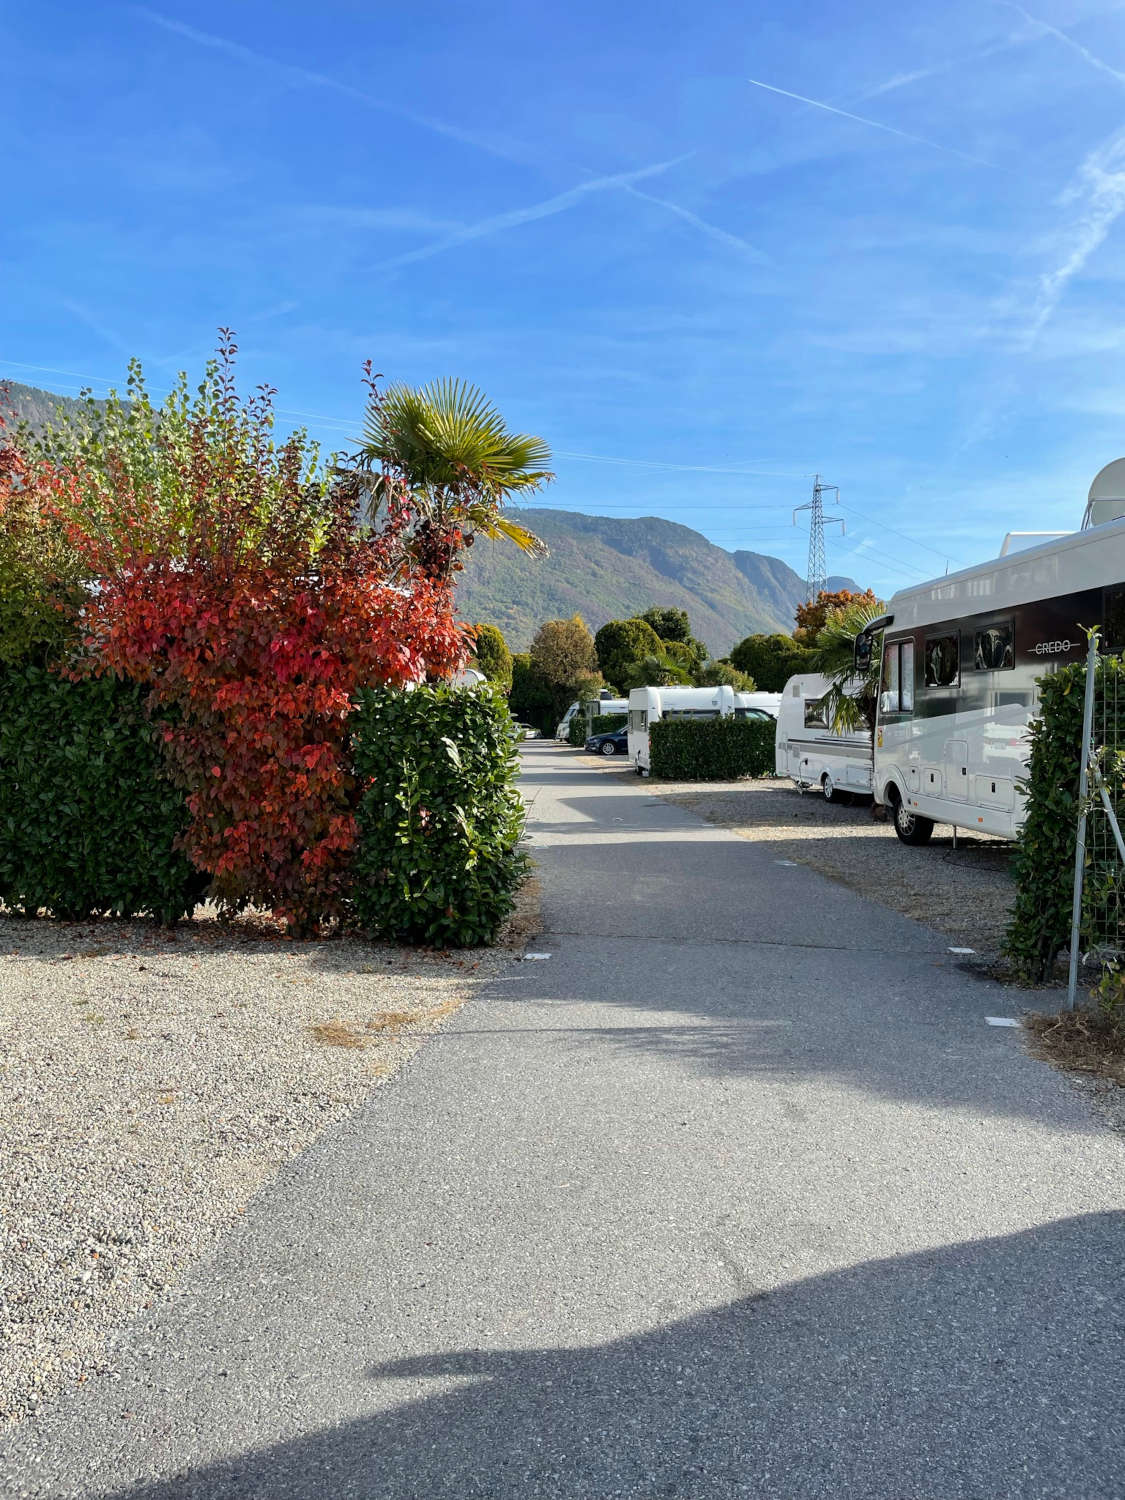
pixel 246 594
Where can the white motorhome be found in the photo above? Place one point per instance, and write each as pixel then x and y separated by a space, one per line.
pixel 810 752
pixel 601 706
pixel 647 704
pixel 961 659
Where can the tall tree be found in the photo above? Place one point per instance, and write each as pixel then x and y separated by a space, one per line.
pixel 620 643
pixel 460 463
pixel 672 624
pixel 563 650
pixel 491 654
pixel 771 660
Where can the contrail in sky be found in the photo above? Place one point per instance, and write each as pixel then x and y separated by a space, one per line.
pixel 712 231
pixel 1067 41
pixel 516 216
pixel 308 78
pixel 918 140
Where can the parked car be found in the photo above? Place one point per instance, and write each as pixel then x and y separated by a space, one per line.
pixel 613 742
pixel 528 731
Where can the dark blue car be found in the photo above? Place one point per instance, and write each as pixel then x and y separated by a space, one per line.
pixel 613 742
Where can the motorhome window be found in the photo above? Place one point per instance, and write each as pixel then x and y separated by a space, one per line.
pixel 638 719
pixel 943 660
pixel 888 698
pixel 906 677
pixel 993 650
pixel 814 714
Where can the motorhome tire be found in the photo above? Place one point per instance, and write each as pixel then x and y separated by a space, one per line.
pixel 911 828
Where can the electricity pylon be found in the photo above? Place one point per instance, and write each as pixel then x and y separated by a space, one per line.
pixel 818 565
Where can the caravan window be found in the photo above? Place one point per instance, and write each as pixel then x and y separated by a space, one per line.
pixel 814 714
pixel 993 648
pixel 638 719
pixel 943 660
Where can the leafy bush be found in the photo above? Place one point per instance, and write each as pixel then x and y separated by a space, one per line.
pixel 40 574
pixel 1044 858
pixel 437 857
pixel 236 582
pixel 576 734
pixel 711 749
pixel 88 822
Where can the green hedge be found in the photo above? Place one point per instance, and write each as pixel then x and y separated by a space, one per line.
pixel 440 820
pixel 603 723
pixel 1044 858
pixel 88 824
pixel 578 734
pixel 711 749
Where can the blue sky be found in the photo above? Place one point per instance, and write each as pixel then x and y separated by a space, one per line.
pixel 699 289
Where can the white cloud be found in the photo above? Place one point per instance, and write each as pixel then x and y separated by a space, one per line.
pixel 1098 191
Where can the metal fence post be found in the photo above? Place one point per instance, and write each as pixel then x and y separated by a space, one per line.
pixel 1083 799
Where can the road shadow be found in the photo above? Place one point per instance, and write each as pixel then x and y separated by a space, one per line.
pixel 988 1370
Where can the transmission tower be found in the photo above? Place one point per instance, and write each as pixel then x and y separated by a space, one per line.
pixel 818 565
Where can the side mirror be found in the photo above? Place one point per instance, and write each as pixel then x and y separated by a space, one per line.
pixel 862 655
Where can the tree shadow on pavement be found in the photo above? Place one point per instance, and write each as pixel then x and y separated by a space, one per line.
pixel 981 1371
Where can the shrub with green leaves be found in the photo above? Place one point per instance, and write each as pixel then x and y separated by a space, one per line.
pixel 88 823
pixel 1044 859
pixel 711 749
pixel 439 822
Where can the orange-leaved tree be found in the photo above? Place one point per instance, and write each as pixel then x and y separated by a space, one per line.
pixel 234 577
pixel 812 617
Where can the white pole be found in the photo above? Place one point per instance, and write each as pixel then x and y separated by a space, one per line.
pixel 1080 841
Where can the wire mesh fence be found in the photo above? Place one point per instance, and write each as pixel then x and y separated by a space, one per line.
pixel 1098 912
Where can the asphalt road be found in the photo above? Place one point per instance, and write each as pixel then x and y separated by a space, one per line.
pixel 734 1194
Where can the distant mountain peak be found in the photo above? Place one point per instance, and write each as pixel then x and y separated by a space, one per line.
pixel 610 567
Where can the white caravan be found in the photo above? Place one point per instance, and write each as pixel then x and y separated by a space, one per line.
pixel 961 659
pixel 601 706
pixel 810 752
pixel 647 704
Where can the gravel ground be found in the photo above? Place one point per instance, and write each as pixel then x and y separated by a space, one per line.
pixel 151 1081
pixel 965 892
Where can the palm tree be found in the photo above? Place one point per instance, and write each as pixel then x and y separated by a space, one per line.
pixel 851 700
pixel 459 463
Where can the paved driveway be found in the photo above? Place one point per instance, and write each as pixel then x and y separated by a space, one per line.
pixel 735 1194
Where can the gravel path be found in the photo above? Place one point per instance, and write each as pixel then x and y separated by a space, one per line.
pixel 965 893
pixel 152 1081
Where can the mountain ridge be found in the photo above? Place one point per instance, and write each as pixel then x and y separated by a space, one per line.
pixel 608 567
pixel 601 567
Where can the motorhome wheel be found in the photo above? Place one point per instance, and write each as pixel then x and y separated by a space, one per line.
pixel 910 828
pixel 828 787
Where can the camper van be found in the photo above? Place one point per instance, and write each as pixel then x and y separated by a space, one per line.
pixel 810 752
pixel 605 705
pixel 647 704
pixel 961 659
